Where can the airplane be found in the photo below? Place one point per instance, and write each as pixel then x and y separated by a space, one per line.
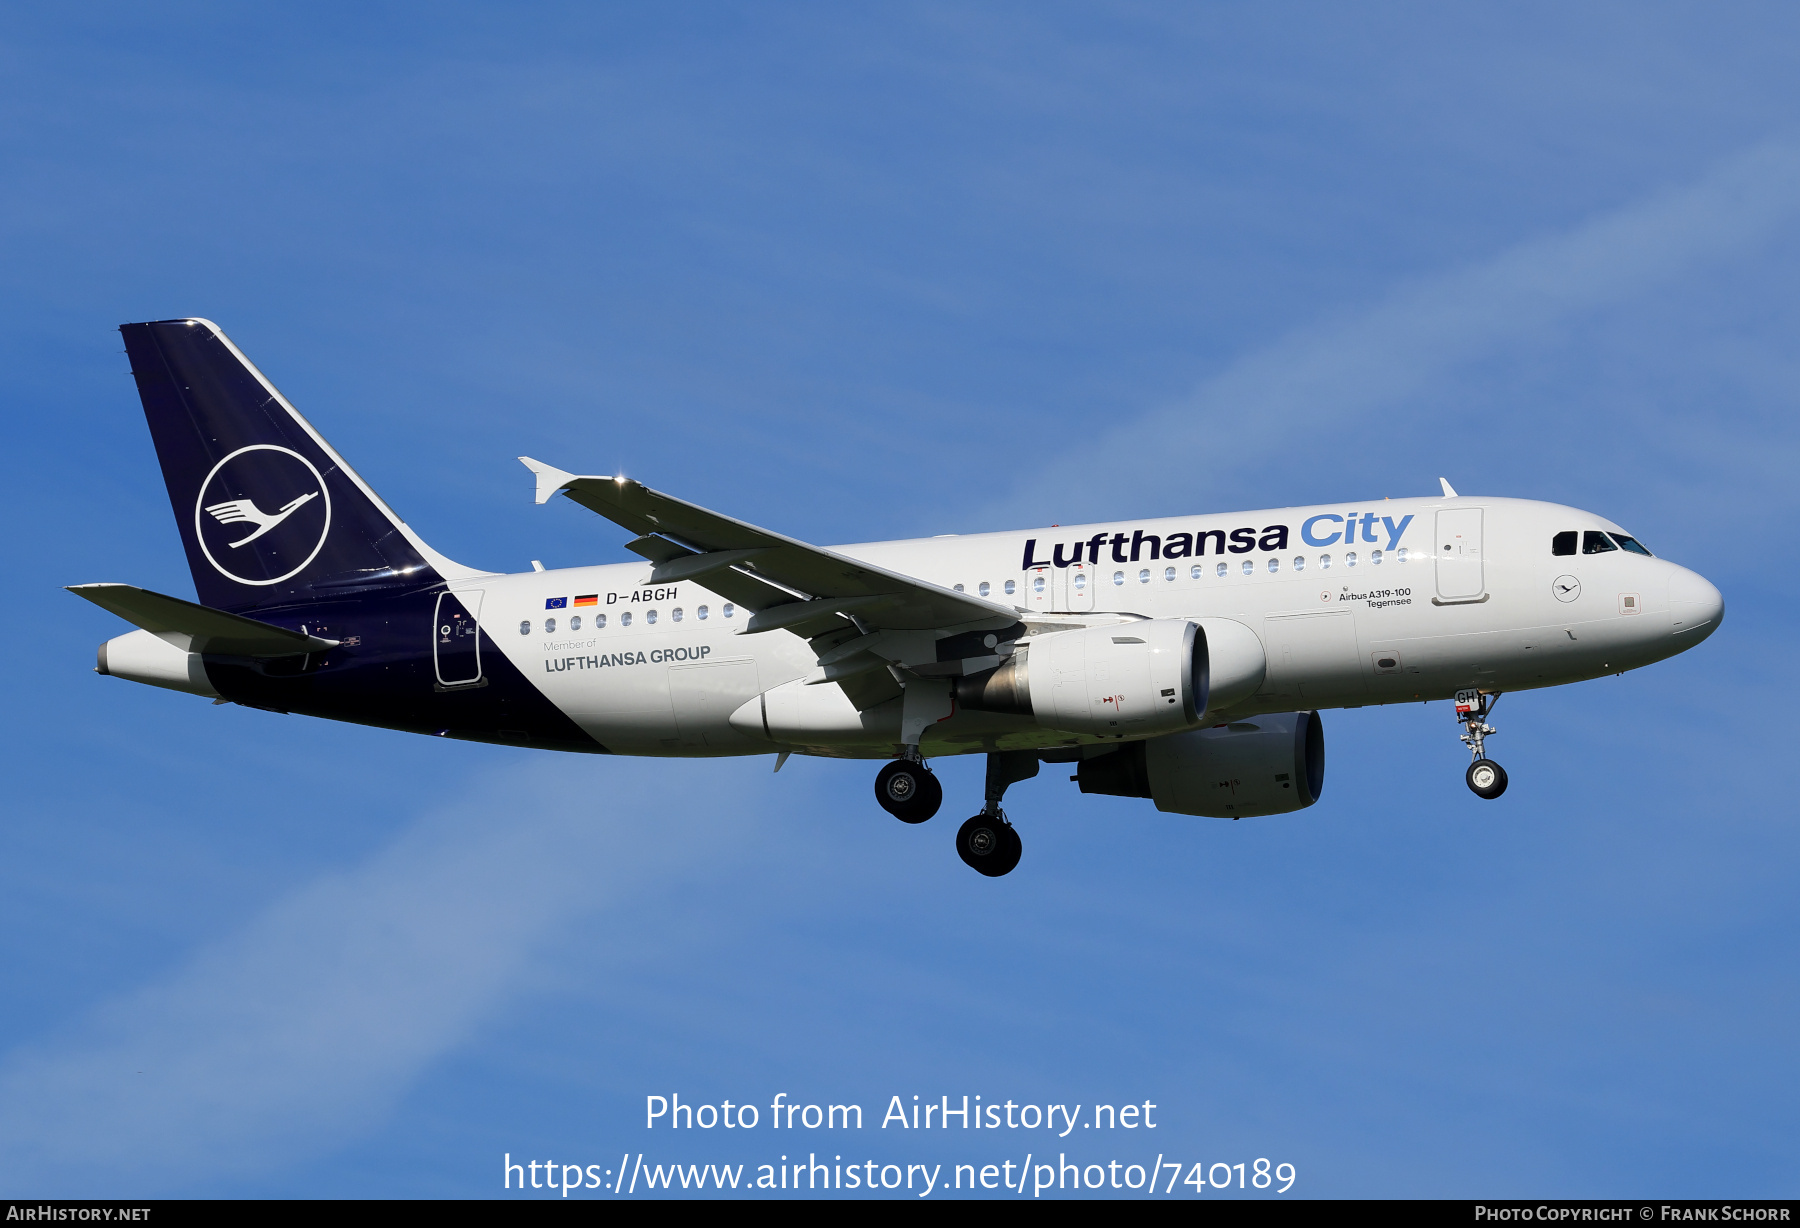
pixel 1184 660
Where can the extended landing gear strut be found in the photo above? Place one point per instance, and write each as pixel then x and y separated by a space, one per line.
pixel 908 790
pixel 988 843
pixel 1487 779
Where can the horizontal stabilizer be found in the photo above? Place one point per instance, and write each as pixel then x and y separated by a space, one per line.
pixel 199 628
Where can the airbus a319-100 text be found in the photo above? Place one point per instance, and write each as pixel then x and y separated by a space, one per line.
pixel 1182 660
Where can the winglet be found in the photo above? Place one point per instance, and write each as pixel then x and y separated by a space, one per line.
pixel 550 479
pixel 1444 482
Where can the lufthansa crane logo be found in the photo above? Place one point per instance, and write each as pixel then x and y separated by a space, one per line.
pixel 245 511
pixel 282 540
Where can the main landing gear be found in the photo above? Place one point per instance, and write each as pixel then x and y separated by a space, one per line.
pixel 908 790
pixel 1486 779
pixel 987 843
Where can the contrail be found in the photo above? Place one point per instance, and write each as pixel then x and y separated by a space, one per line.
pixel 1321 379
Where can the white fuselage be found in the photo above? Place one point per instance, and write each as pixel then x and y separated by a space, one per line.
pixel 1426 597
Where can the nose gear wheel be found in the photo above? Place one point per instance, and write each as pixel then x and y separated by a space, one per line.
pixel 1486 778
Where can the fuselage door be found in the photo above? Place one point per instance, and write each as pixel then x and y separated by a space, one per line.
pixel 1458 549
pixel 1075 587
pixel 456 638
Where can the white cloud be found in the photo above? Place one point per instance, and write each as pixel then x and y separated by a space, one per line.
pixel 307 1025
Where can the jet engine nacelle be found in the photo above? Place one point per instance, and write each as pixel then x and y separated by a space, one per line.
pixel 1143 677
pixel 1134 678
pixel 1266 765
pixel 1138 678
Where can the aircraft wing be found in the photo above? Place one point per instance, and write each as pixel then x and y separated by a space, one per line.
pixel 790 584
pixel 199 628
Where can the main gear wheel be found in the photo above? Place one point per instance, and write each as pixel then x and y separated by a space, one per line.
pixel 908 790
pixel 989 845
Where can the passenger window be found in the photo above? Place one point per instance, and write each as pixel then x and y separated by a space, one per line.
pixel 1374 558
pixel 675 613
pixel 1144 576
pixel 1563 543
pixel 957 587
pixel 1118 578
pixel 700 613
pixel 1400 555
pixel 1274 566
pixel 982 588
pixel 650 616
pixel 1249 567
pixel 727 610
pixel 1632 544
pixel 575 623
pixel 599 622
pixel 1219 570
pixel 549 626
pixel 1168 573
pixel 1198 571
pixel 1349 558
pixel 1037 584
pixel 1324 562
pixel 1010 587
pixel 1081 581
pixel 1595 542
pixel 625 619
pixel 1299 563
pixel 525 627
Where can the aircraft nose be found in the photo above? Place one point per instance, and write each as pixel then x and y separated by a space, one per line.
pixel 1695 606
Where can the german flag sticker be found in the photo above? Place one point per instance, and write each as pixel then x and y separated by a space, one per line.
pixel 590 599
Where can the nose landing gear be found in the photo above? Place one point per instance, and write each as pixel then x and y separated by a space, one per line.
pixel 1486 779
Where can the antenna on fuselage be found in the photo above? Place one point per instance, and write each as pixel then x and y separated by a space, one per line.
pixel 1448 492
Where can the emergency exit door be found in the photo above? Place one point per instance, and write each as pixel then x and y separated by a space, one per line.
pixel 1458 550
pixel 1075 587
pixel 1060 589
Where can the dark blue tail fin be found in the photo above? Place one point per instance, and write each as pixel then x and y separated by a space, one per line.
pixel 269 512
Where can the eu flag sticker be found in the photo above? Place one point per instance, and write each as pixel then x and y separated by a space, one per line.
pixel 556 603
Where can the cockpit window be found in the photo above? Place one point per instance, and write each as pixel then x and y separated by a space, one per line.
pixel 1632 544
pixel 1563 543
pixel 1596 542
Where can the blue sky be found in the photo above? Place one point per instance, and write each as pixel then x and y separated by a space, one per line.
pixel 857 273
